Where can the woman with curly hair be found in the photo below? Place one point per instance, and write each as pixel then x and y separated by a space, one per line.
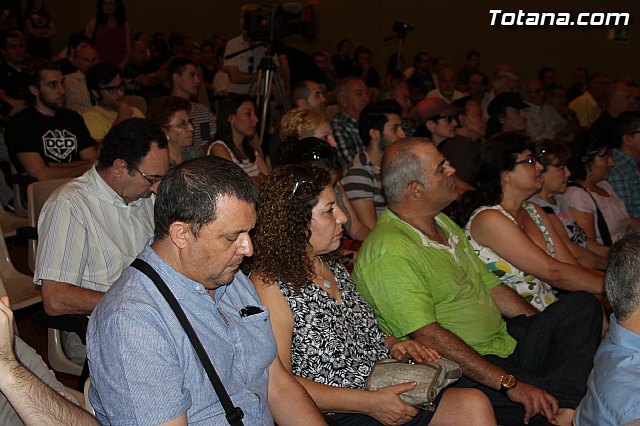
pixel 319 153
pixel 236 127
pixel 110 33
pixel 327 335
pixel 514 237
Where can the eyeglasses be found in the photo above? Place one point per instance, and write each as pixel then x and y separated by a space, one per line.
pixel 184 125
pixel 438 117
pixel 530 159
pixel 113 89
pixel 297 184
pixel 151 179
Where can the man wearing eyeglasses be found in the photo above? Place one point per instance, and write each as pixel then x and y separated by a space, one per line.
pixel 46 140
pixel 110 107
pixel 94 226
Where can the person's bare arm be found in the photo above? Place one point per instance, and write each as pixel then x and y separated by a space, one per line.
pixel 284 393
pixel 583 255
pixel 586 221
pixel 128 46
pixel 384 405
pixel 513 245
pixel 220 151
pixel 90 153
pixel 238 77
pixel 35 166
pixel 474 366
pixel 89 30
pixel 357 230
pixel 34 401
pixel 366 212
pixel 63 298
pixel 510 303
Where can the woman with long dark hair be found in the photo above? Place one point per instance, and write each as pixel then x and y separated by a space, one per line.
pixel 513 237
pixel 110 33
pixel 236 127
pixel 39 29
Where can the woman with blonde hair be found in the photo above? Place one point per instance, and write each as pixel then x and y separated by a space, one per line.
pixel 299 123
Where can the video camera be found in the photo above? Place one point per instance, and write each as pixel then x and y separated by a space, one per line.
pixel 271 23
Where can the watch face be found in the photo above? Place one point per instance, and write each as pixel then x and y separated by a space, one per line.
pixel 508 381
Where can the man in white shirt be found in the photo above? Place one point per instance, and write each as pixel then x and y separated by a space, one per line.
pixel 75 84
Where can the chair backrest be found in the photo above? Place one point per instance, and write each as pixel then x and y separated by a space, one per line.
pixel 18 286
pixel 37 194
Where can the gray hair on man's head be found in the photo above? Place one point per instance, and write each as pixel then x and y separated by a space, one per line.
pixel 400 167
pixel 622 282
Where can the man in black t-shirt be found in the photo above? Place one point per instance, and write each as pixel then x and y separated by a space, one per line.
pixel 46 140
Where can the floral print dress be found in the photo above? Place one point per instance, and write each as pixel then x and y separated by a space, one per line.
pixel 333 343
pixel 532 289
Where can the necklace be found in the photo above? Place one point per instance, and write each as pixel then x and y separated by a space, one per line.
pixel 325 282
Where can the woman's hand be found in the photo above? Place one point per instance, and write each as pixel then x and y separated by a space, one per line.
pixel 416 350
pixel 387 407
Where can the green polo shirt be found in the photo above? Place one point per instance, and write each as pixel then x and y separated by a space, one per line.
pixel 411 281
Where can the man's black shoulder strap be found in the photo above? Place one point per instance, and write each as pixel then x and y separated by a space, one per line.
pixel 234 414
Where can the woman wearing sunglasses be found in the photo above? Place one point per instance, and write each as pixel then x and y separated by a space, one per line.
pixel 513 237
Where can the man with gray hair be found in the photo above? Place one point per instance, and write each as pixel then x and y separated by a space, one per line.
pixel 144 369
pixel 424 281
pixel 308 94
pixel 613 391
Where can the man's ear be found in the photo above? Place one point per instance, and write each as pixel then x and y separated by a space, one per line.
pixel 34 90
pixel 374 135
pixel 626 140
pixel 120 167
pixel 180 233
pixel 95 94
pixel 415 190
pixel 430 125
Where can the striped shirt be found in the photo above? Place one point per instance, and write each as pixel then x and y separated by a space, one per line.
pixel 363 182
pixel 88 234
pixel 203 130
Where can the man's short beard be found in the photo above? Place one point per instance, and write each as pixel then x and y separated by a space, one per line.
pixel 45 102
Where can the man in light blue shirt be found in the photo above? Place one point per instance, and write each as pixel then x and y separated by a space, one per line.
pixel 613 394
pixel 143 367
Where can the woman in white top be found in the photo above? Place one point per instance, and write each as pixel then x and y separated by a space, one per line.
pixel 592 196
pixel 236 127
pixel 513 237
pixel 553 155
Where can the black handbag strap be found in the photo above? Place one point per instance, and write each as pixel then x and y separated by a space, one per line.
pixel 234 414
pixel 602 223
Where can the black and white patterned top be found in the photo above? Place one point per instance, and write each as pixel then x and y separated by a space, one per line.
pixel 333 343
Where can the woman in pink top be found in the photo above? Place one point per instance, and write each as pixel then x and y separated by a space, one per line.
pixel 111 33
